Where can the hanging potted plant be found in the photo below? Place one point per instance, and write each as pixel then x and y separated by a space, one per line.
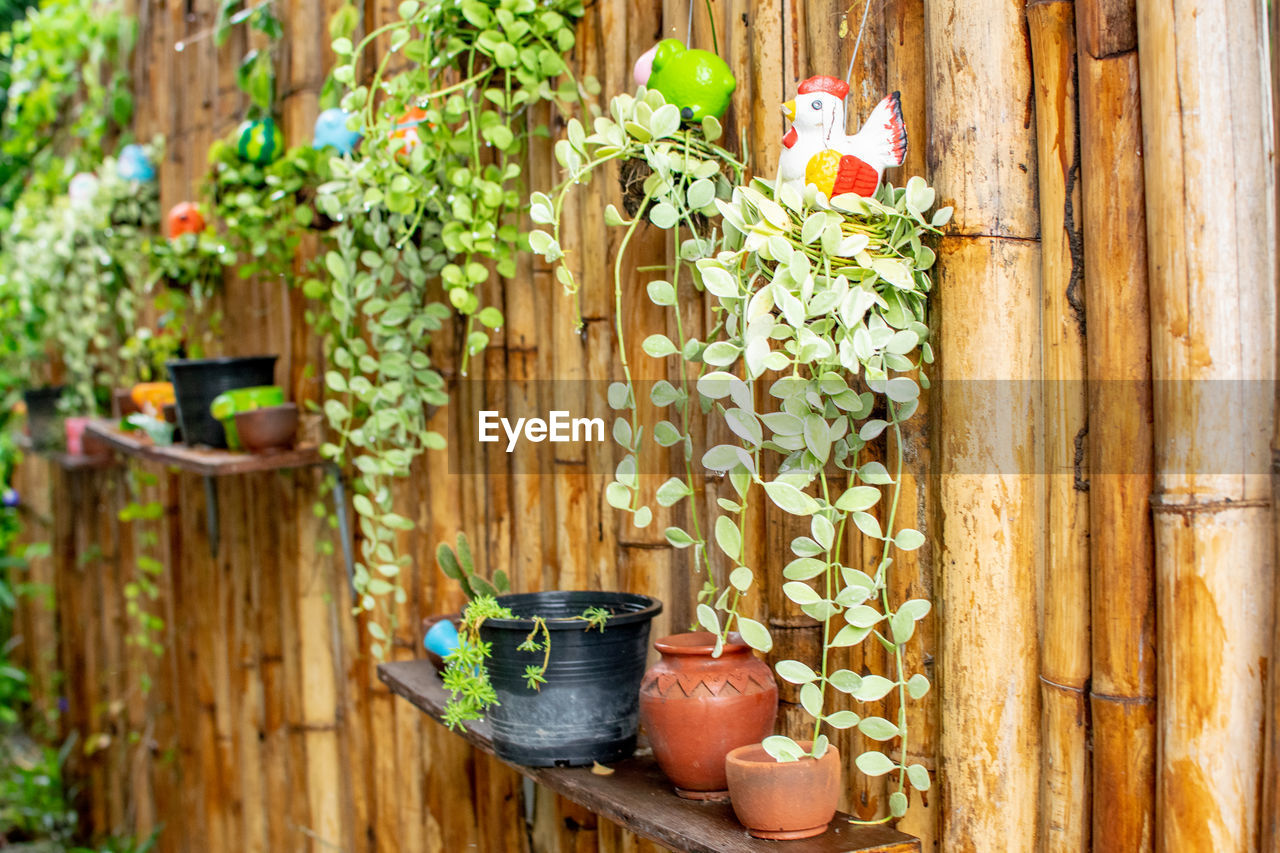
pixel 709 693
pixel 557 674
pixel 825 300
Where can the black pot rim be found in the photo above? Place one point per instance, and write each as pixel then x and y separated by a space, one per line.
pixel 45 391
pixel 219 361
pixel 648 607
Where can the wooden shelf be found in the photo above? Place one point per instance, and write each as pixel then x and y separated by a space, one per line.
pixel 638 797
pixel 209 462
pixel 68 461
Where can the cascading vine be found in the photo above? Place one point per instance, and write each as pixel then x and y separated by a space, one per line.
pixel 433 200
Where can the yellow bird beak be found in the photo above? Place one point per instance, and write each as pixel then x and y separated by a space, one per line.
pixel 789 110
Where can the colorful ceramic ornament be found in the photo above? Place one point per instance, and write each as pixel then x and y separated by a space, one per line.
pixel 259 142
pixel 82 189
pixel 406 129
pixel 697 81
pixel 185 218
pixel 817 151
pixel 332 131
pixel 133 164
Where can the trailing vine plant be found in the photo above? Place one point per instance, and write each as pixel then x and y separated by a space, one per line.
pixel 813 297
pixel 435 193
pixel 673 174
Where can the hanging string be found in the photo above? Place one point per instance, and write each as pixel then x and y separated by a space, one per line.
pixel 243 14
pixel 848 78
pixel 688 29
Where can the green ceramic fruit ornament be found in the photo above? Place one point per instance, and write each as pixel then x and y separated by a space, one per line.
pixel 697 81
pixel 259 142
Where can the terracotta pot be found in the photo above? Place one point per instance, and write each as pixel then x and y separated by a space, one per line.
pixel 122 404
pixel 267 429
pixel 782 800
pixel 697 708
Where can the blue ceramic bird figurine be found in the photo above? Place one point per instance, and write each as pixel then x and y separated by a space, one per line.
pixel 332 131
pixel 133 164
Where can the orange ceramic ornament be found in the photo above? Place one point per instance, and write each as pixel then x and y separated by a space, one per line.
pixel 406 129
pixel 185 218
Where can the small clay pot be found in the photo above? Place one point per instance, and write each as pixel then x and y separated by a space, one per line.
pixel 696 708
pixel 783 800
pixel 267 429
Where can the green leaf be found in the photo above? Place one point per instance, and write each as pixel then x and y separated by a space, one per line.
pixel 643 517
pixel 728 538
pixel 755 634
pixel 873 688
pixel 844 680
pixel 619 395
pixel 804 568
pixel 917 686
pixel 795 672
pixel 878 728
pixel 708 619
pixel 867 524
pixel 782 748
pixel 918 776
pixel 875 474
pixel 718 281
pixel 670 492
pixel 618 496
pixel 678 538
pixel 663 215
pixel 661 293
pixel 800 593
pixel 659 346
pixel 909 539
pixel 874 763
pixel 790 499
pixel 741 578
pixel 811 699
pixel 858 498
pixel 898 804
pixel 841 720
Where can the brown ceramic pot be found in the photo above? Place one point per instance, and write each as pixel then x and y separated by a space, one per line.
pixel 122 404
pixel 782 800
pixel 269 428
pixel 696 708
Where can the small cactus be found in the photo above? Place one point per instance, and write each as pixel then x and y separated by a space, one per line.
pixel 461 568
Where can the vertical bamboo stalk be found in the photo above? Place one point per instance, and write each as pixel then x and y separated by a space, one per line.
pixel 1205 123
pixel 1064 663
pixel 1122 691
pixel 981 152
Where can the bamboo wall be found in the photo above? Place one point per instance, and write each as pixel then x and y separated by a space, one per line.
pixel 1099 679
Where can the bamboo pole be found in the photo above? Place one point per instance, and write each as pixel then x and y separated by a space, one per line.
pixel 1205 123
pixel 981 150
pixel 1122 692
pixel 1064 662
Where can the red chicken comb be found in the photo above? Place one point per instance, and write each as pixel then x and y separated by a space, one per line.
pixel 829 85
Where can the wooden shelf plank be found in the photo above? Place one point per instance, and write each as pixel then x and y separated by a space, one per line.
pixel 638 797
pixel 68 461
pixel 209 462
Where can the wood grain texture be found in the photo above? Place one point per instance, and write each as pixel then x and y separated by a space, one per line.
pixel 1205 118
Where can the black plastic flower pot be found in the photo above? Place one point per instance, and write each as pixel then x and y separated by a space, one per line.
pixel 589 708
pixel 197 381
pixel 44 423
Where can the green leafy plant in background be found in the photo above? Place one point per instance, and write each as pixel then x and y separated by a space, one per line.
pixel 459 566
pixel 185 273
pixel 142 593
pixel 673 174
pixel 256 74
pixel 432 201
pixel 265 211
pixel 813 298
pixel 65 78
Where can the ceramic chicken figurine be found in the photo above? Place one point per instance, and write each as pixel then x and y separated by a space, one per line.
pixel 697 81
pixel 818 151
